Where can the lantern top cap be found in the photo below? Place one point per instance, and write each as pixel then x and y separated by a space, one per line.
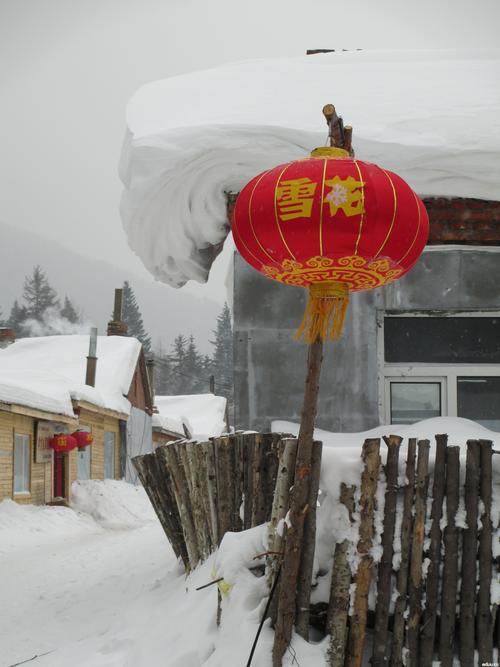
pixel 330 151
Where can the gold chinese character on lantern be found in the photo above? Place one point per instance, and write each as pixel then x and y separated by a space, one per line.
pixel 345 194
pixel 295 198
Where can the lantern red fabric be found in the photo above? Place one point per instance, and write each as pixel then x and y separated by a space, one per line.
pixel 62 442
pixel 83 438
pixel 332 223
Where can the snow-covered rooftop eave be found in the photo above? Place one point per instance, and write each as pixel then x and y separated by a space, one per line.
pixel 98 408
pixel 431 116
pixel 28 411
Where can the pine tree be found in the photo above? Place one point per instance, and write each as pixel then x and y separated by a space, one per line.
pixel 178 384
pixel 17 317
pixel 69 312
pixel 223 354
pixel 132 316
pixel 192 369
pixel 38 295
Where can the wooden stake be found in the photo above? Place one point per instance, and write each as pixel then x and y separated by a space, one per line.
pixel 338 608
pixel 298 506
pixel 367 507
pixel 415 581
pixel 303 600
pixel 484 616
pixel 380 654
pixel 428 631
pixel 469 555
pixel 450 566
pixel 402 578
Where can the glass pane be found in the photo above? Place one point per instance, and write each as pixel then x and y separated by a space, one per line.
pixel 21 464
pixel 479 399
pixel 413 401
pixel 442 340
pixel 109 455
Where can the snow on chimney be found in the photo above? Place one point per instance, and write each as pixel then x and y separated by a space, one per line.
pixel 116 327
pixel 7 337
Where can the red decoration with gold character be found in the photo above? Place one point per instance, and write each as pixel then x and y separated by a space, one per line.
pixel 333 224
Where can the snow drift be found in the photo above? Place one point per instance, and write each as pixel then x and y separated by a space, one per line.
pixel 431 116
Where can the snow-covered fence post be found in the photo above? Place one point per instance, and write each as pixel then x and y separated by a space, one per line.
pixel 469 555
pixel 402 577
pixel 338 606
pixel 363 577
pixel 225 482
pixel 432 581
pixel 450 565
pixel 379 657
pixel 309 541
pixel 484 616
pixel 415 580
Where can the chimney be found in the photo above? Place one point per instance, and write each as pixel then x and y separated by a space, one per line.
pixel 7 337
pixel 116 327
pixel 150 368
pixel 92 359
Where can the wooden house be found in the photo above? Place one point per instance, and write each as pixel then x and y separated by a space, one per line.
pixel 43 392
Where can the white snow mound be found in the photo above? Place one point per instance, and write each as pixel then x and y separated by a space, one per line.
pixel 432 116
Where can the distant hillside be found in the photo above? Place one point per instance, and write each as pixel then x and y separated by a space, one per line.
pixel 90 285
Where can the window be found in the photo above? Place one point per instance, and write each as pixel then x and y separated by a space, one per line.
pixel 83 458
pixel 22 452
pixel 109 454
pixel 431 365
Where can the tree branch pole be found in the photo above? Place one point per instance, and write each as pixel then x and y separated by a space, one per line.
pixel 298 506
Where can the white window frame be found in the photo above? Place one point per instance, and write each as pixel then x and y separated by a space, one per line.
pixel 26 490
pixel 447 374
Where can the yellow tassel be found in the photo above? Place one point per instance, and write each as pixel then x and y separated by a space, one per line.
pixel 325 312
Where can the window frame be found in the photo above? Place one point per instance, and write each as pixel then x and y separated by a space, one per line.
pixel 29 457
pixel 426 372
pixel 87 429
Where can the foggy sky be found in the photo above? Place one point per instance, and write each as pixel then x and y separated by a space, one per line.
pixel 68 67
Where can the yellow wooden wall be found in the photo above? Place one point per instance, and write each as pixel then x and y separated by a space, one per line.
pixel 41 487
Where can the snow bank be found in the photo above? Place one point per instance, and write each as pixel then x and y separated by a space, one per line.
pixel 408 109
pixel 203 414
pixel 47 373
pixel 111 503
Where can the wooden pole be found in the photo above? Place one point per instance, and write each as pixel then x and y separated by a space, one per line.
pixel 484 616
pixel 303 600
pixel 402 578
pixel 469 555
pixel 298 506
pixel 428 632
pixel 415 580
pixel 450 565
pixel 367 507
pixel 380 654
pixel 338 608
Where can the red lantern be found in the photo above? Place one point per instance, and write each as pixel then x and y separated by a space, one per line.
pixel 62 442
pixel 333 224
pixel 83 438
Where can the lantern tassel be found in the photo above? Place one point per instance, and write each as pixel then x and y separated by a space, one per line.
pixel 325 312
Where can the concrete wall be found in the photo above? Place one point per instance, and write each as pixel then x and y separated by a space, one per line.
pixel 270 364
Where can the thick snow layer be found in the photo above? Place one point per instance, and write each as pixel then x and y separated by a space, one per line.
pixel 431 116
pixel 203 414
pixel 47 373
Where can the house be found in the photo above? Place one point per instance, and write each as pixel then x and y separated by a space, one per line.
pixel 196 416
pixel 45 391
pixel 423 346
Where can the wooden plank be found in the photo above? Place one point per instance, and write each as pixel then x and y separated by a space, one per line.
pixel 484 617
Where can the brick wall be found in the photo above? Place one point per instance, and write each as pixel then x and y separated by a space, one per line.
pixel 463 220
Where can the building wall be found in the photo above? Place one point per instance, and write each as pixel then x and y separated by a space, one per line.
pixel 98 424
pixel 41 473
pixel 270 365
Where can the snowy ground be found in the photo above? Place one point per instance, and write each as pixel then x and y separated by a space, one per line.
pixel 102 588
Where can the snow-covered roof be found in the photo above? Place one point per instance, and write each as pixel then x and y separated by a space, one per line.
pixel 203 414
pixel 47 373
pixel 432 116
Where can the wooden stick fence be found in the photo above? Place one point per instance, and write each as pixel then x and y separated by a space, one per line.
pixel 202 490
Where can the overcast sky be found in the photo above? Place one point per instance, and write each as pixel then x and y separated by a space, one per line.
pixel 68 68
